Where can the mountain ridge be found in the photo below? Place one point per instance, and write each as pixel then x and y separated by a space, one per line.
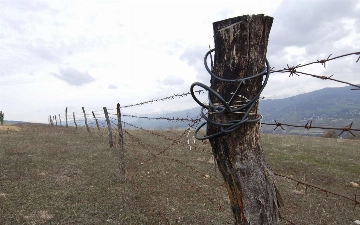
pixel 333 106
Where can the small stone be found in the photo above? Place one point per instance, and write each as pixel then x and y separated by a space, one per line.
pixel 353 184
pixel 297 192
pixel 357 221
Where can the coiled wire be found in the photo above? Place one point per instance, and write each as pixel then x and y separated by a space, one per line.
pixel 226 107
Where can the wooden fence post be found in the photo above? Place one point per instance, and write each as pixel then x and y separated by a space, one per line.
pixel 1 118
pixel 109 127
pixel 87 127
pixel 55 120
pixel 97 123
pixel 121 141
pixel 51 121
pixel 74 120
pixel 60 120
pixel 66 117
pixel 240 52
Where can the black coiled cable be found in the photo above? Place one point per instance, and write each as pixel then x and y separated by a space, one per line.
pixel 226 107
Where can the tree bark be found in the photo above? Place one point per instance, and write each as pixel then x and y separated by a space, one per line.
pixel 240 51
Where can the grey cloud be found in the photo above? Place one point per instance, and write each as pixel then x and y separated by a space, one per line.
pixel 194 56
pixel 25 5
pixel 46 53
pixel 171 80
pixel 310 24
pixel 112 87
pixel 17 14
pixel 74 77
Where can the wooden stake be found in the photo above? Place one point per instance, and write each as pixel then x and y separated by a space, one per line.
pixel 74 120
pixel 87 127
pixel 60 120
pixel 66 117
pixel 111 143
pixel 121 141
pixel 240 51
pixel 97 123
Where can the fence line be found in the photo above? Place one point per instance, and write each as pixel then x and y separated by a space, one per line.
pixel 112 124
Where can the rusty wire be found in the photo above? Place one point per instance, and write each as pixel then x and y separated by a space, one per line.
pixel 307 185
pixel 176 119
pixel 154 155
pixel 171 97
pixel 292 70
pixel 308 126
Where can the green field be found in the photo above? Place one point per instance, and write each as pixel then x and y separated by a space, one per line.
pixel 57 175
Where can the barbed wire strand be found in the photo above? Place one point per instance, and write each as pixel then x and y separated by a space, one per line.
pixel 357 202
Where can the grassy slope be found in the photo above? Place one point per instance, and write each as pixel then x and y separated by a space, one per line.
pixel 53 175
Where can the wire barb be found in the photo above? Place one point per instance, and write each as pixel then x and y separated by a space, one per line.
pixel 292 70
pixel 323 61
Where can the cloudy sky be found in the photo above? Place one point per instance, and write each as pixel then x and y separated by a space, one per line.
pixel 57 54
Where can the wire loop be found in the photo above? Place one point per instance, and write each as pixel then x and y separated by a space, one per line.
pixel 226 106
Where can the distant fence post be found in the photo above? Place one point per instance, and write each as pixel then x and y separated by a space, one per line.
pixel 1 118
pixel 121 141
pixel 74 120
pixel 60 120
pixel 240 53
pixel 51 121
pixel 66 117
pixel 109 127
pixel 87 127
pixel 97 123
pixel 55 120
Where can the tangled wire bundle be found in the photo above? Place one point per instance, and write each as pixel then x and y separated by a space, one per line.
pixel 227 107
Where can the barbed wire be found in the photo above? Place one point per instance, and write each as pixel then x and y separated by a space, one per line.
pixel 307 185
pixel 292 70
pixel 176 119
pixel 308 126
pixel 194 186
pixel 171 97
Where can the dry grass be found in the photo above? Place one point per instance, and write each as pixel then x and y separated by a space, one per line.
pixel 57 175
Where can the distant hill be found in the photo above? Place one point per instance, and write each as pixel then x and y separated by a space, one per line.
pixel 10 122
pixel 326 107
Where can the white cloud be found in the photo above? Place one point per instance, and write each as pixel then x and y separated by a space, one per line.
pixel 132 51
pixel 74 77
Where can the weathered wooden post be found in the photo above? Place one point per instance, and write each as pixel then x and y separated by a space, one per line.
pixel 1 118
pixel 121 141
pixel 233 126
pixel 87 127
pixel 74 120
pixel 51 121
pixel 60 120
pixel 96 121
pixel 66 117
pixel 55 120
pixel 109 127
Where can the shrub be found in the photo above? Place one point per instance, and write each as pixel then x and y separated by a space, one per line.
pixel 329 134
